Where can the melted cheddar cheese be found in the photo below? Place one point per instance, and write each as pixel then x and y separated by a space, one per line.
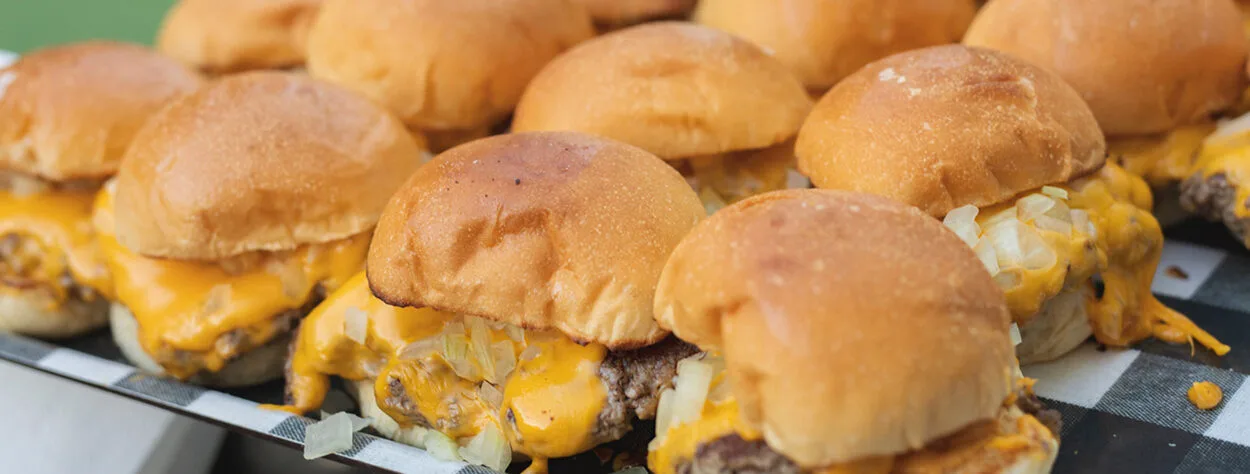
pixel 679 444
pixel 56 238
pixel 1160 159
pixel 548 405
pixel 1229 155
pixel 1130 242
pixel 184 308
pixel 727 178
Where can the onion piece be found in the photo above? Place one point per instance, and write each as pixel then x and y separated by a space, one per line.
pixel 440 446
pixel 1057 193
pixel 489 448
pixel 456 353
pixel 479 340
pixel 328 436
pixel 1228 129
pixel 530 353
pixel 504 360
pixel 962 220
pixel 1033 205
pixel 1015 335
pixel 691 390
pixel 1052 224
pixel 355 324
pixel 1008 279
pixel 216 299
pixel 514 332
pixel 720 391
pixel 1081 222
pixel 490 395
pixel 712 201
pixel 989 257
pixel 664 414
pixel 421 349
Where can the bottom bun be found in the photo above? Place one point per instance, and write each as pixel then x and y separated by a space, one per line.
pixel 257 366
pixel 1060 327
pixel 29 314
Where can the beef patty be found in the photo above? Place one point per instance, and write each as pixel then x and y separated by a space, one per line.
pixel 1215 198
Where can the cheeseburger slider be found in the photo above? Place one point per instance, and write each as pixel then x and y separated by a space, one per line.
pixel 1014 160
pixel 824 41
pixel 450 69
pixel 1154 72
pixel 227 36
pixel 615 13
pixel 235 209
pixel 1219 188
pixel 716 107
pixel 844 333
pixel 67 114
pixel 520 271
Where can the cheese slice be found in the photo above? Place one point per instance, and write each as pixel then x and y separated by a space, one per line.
pixel 547 405
pixel 184 308
pixel 60 240
pixel 1160 159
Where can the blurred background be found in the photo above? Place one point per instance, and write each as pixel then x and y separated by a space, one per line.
pixel 29 24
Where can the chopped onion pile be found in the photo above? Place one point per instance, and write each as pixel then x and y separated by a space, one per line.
pixel 1015 335
pixel 355 324
pixel 1011 241
pixel 358 423
pixel 489 448
pixel 421 349
pixel 490 395
pixel 529 353
pixel 331 435
pixel 440 446
pixel 684 402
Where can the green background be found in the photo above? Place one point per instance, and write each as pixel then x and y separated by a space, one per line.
pixel 29 24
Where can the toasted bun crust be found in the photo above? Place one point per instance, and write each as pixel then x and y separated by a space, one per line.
pixel 541 230
pixel 68 112
pixel 947 126
pixel 624 12
pixel 260 161
pixel 673 89
pixel 25 313
pixel 255 367
pixel 223 36
pixel 442 65
pixel 824 41
pixel 851 325
pixel 1144 66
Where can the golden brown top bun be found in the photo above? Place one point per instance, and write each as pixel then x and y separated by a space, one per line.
pixel 542 230
pixel 262 161
pixel 68 112
pixel 438 64
pixel 674 89
pixel 851 325
pixel 1144 66
pixel 824 41
pixel 948 126
pixel 224 36
pixel 624 12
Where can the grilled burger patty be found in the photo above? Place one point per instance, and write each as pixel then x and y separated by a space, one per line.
pixel 1215 198
pixel 736 455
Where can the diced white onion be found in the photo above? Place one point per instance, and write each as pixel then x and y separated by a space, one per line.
pixel 962 220
pixel 418 350
pixel 490 395
pixel 1007 279
pixel 355 324
pixel 489 448
pixel 1229 129
pixel 216 298
pixel 664 413
pixel 1057 193
pixel 328 436
pixel 514 332
pixel 294 282
pixel 456 352
pixel 1033 205
pixel 504 357
pixel 1015 335
pixel 1052 224
pixel 712 201
pixel 25 186
pixel 720 392
pixel 479 339
pixel 529 353
pixel 999 217
pixel 1018 245
pixel 691 390
pixel 985 251
pixel 440 446
pixel 1081 222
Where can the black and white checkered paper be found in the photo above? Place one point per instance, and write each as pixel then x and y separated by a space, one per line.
pixel 1123 410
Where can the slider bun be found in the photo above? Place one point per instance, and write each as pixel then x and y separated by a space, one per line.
pixel 438 64
pixel 1144 66
pixel 824 41
pixel 942 127
pixel 541 230
pixel 623 12
pixel 253 367
pixel 261 161
pixel 674 89
pixel 68 112
pixel 851 325
pixel 223 36
pixel 26 313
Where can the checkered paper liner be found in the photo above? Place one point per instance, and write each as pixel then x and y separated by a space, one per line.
pixel 1123 410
